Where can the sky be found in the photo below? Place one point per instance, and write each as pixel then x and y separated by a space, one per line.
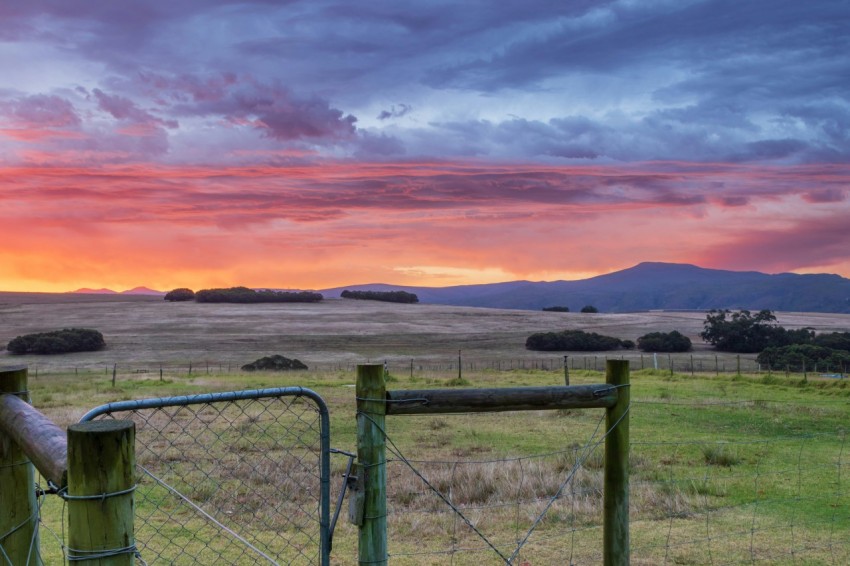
pixel 314 144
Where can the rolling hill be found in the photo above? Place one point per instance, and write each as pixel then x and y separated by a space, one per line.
pixel 648 286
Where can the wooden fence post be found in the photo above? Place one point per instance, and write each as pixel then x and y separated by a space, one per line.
pixel 101 480
pixel 371 455
pixel 18 505
pixel 615 536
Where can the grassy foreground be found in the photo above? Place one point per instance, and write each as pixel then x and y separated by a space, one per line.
pixel 725 469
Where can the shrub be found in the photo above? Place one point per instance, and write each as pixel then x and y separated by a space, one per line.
pixel 246 295
pixel 673 341
pixel 556 309
pixel 589 308
pixel 274 363
pixel 58 342
pixel 387 296
pixel 181 294
pixel 572 340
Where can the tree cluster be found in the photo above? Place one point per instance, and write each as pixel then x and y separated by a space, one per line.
pixel 589 308
pixel 834 340
pixel 800 357
pixel 556 309
pixel 673 341
pixel 574 341
pixel 181 294
pixel 246 295
pixel 58 342
pixel 744 332
pixel 387 296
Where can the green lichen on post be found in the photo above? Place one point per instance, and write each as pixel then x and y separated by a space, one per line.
pixel 18 517
pixel 101 477
pixel 615 536
pixel 371 456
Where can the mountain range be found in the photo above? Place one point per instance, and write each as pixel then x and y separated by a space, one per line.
pixel 646 286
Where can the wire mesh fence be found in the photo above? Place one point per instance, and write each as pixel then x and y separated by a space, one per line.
pixel 230 480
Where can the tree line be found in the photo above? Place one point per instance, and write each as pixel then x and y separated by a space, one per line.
pixel 387 296
pixel 737 332
pixel 242 295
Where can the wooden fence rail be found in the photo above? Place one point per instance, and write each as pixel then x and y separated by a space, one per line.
pixel 368 503
pixel 97 480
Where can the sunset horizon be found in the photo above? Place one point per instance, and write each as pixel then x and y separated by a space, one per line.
pixel 317 145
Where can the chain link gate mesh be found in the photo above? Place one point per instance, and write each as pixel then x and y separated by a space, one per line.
pixel 230 478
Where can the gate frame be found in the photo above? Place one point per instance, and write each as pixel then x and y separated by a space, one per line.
pixel 251 394
pixel 368 504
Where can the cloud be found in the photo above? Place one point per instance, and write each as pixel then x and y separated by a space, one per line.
pixel 122 108
pixel 243 101
pixel 803 244
pixel 395 112
pixel 40 111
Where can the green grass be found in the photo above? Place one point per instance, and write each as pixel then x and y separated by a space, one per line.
pixel 724 468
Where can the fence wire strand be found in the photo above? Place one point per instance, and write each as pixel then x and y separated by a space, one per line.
pixel 750 508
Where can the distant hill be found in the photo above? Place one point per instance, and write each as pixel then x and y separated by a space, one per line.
pixel 648 286
pixel 87 291
pixel 133 291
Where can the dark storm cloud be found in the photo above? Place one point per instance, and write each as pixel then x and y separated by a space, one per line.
pixel 713 80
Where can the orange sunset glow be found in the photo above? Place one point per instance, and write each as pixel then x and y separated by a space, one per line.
pixel 134 159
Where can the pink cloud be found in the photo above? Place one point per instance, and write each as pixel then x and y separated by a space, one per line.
pixel 801 244
pixel 122 108
pixel 40 111
pixel 832 194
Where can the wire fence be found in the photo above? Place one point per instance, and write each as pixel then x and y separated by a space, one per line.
pixel 746 481
pixel 700 363
pixel 730 499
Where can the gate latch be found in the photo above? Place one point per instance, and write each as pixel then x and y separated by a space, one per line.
pixel 357 484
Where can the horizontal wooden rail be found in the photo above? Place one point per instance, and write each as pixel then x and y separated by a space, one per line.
pixel 44 443
pixel 431 401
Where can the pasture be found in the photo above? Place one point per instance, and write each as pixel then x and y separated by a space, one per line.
pixel 726 469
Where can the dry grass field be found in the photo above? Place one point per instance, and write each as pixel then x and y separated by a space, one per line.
pixel 149 331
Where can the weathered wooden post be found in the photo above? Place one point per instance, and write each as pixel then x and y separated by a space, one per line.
pixel 18 506
pixel 101 481
pixel 371 457
pixel 566 371
pixel 615 537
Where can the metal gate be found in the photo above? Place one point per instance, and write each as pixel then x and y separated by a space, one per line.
pixel 230 478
